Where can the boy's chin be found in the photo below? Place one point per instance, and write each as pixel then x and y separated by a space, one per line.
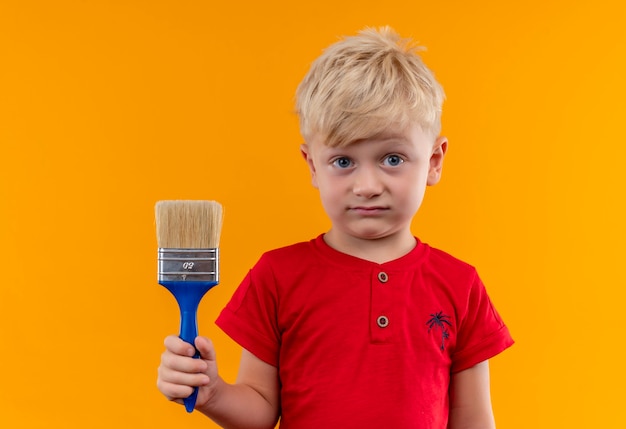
pixel 377 234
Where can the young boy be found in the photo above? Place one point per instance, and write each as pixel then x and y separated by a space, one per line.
pixel 364 326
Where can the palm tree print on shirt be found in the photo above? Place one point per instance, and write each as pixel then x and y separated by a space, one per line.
pixel 439 321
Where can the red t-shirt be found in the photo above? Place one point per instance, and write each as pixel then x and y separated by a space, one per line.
pixel 359 344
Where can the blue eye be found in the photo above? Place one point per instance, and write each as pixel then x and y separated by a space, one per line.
pixel 393 160
pixel 342 162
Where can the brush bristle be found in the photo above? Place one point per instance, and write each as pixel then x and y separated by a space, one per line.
pixel 188 224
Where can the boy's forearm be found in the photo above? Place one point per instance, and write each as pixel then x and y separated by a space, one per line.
pixel 470 399
pixel 468 420
pixel 239 406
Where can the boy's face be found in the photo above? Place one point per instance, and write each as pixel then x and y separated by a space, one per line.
pixel 371 189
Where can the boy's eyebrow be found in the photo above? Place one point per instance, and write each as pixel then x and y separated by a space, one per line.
pixel 393 137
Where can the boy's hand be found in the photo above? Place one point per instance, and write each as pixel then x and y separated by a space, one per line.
pixel 179 372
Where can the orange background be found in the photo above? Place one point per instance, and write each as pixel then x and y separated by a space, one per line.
pixel 108 106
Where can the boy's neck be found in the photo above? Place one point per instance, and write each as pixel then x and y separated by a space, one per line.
pixel 378 250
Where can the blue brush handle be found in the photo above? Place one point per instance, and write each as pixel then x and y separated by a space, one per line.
pixel 188 294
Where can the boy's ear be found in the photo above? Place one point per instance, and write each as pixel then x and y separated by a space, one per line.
pixel 306 154
pixel 436 160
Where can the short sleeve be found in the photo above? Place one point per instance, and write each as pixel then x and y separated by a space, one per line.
pixel 250 317
pixel 482 333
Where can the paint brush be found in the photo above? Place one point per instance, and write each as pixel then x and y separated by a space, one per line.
pixel 188 235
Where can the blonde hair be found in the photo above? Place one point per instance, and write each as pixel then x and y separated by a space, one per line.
pixel 362 84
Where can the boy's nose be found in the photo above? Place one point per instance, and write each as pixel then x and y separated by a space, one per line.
pixel 367 184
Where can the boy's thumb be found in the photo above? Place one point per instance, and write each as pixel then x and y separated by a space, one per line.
pixel 205 347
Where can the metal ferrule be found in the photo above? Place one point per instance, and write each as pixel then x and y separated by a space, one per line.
pixel 189 265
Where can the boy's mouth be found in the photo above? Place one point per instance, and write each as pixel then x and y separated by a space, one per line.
pixel 368 210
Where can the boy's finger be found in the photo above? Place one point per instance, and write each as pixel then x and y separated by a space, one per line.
pixel 182 364
pixel 174 392
pixel 178 346
pixel 173 377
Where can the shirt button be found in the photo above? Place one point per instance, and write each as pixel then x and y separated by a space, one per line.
pixel 382 321
pixel 383 277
